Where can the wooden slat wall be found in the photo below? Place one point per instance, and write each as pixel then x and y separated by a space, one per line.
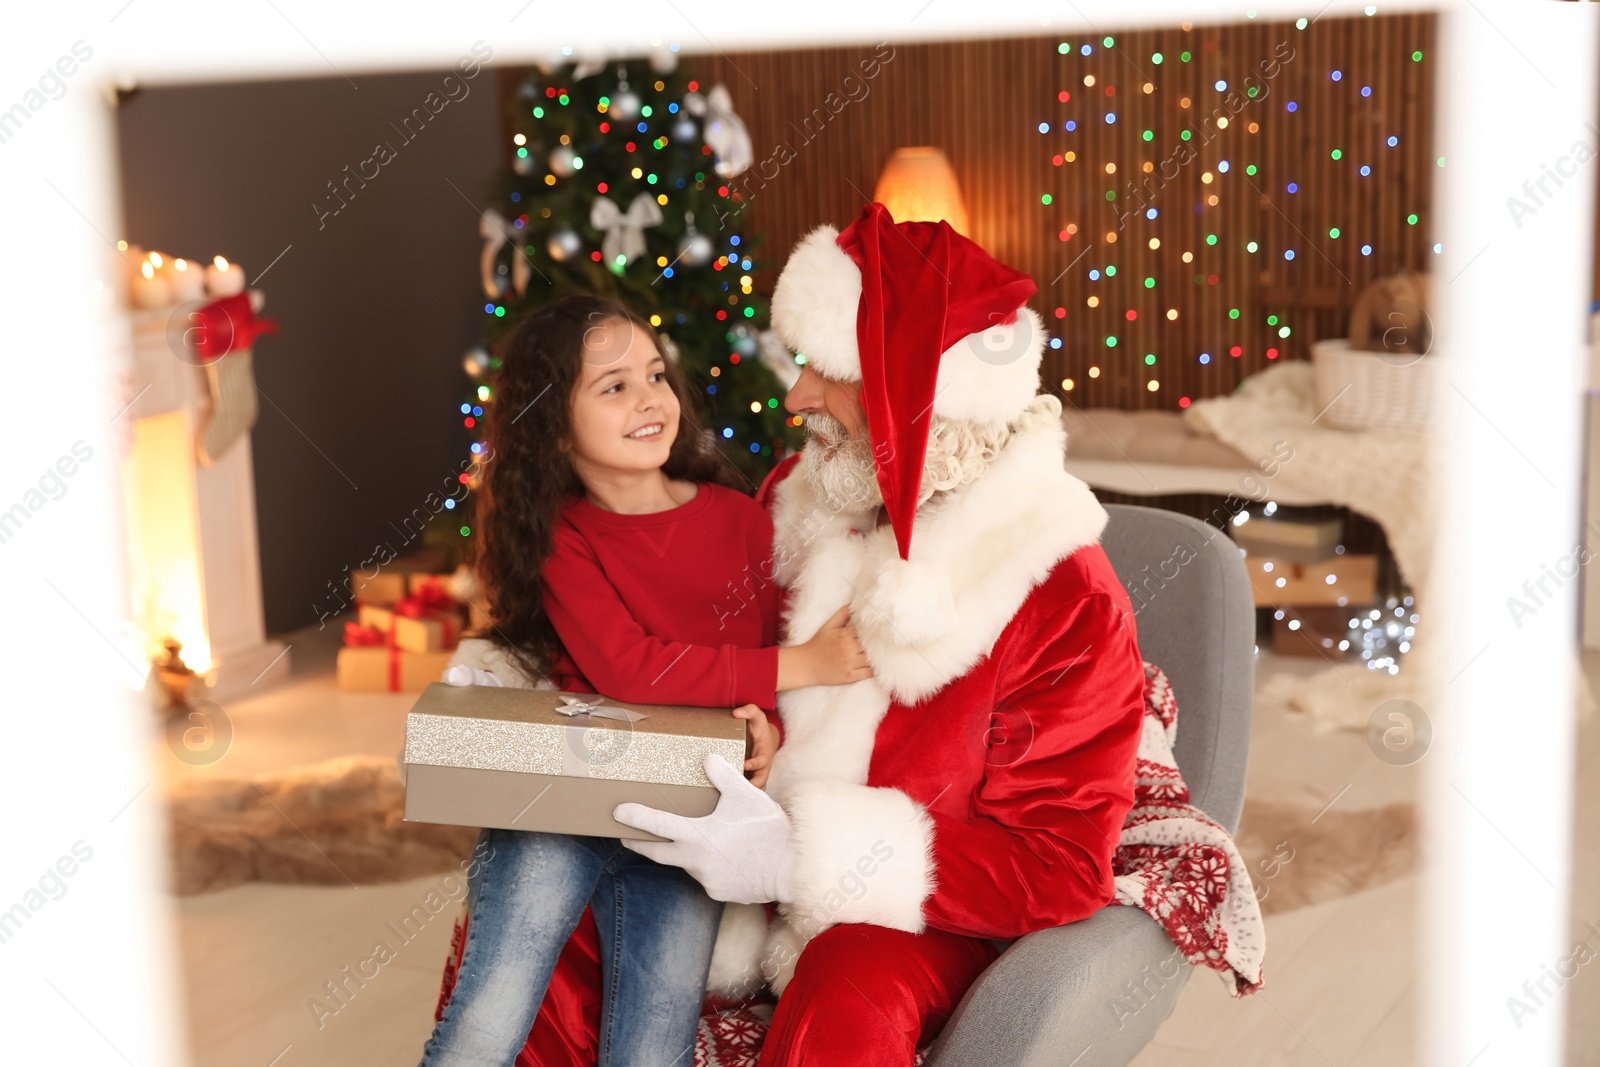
pixel 982 101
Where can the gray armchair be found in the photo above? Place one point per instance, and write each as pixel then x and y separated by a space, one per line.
pixel 1093 993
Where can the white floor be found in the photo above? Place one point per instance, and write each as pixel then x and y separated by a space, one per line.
pixel 259 959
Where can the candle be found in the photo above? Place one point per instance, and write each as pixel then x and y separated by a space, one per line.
pixel 151 290
pixel 129 258
pixel 224 278
pixel 187 281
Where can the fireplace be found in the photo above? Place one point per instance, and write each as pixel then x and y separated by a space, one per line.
pixel 194 564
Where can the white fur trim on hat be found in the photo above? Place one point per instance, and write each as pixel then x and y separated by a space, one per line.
pixel 988 376
pixel 814 305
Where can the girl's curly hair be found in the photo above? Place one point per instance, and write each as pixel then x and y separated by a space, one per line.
pixel 529 477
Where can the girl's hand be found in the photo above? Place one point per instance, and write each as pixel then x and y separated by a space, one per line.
pixel 839 657
pixel 765 737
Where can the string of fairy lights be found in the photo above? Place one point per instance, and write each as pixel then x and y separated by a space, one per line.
pixel 1094 99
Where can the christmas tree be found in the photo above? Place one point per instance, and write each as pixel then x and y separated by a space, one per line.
pixel 619 185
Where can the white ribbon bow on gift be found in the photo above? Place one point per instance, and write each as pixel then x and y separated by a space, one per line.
pixel 624 232
pixel 497 231
pixel 595 707
pixel 724 130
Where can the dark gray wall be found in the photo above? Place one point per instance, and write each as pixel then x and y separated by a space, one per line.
pixel 374 308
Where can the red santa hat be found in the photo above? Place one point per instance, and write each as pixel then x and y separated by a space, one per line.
pixel 925 320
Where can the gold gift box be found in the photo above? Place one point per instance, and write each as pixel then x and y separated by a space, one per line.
pixel 507 758
pixel 1277 581
pixel 377 616
pixel 431 633
pixel 389 670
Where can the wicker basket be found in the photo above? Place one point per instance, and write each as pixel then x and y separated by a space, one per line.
pixel 1377 392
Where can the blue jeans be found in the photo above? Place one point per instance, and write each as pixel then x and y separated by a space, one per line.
pixel 657 928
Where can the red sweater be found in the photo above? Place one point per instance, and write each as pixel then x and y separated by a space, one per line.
pixel 674 607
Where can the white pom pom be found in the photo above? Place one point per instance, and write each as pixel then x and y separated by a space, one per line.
pixel 916 599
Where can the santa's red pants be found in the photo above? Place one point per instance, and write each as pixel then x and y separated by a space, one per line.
pixel 861 996
pixel 870 996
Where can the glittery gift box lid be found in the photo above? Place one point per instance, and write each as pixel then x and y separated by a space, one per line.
pixel 506 729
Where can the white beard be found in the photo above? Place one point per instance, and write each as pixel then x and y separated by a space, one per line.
pixel 843 473
pixel 845 476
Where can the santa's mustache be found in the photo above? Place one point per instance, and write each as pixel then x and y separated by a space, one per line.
pixel 829 429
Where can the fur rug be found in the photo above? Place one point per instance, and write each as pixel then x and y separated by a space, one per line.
pixel 1295 862
pixel 333 823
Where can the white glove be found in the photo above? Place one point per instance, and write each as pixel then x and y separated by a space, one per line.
pixel 739 853
pixel 461 674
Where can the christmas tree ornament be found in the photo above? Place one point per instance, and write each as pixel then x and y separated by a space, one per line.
pixel 588 67
pixel 524 166
pixel 527 90
pixel 624 232
pixel 561 158
pixel 625 104
pixel 496 231
pixel 663 58
pixel 694 248
pixel 684 130
pixel 725 131
pixel 563 245
pixel 743 339
pixel 476 361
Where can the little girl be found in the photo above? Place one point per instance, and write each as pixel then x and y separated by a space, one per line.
pixel 619 560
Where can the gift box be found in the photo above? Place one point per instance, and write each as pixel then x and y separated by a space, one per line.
pixel 427 620
pixel 427 634
pixel 1293 540
pixel 431 585
pixel 375 616
pixel 392 582
pixel 538 759
pixel 462 586
pixel 371 662
pixel 385 587
pixel 385 669
pixel 1310 630
pixel 1342 580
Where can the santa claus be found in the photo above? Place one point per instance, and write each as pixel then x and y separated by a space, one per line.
pixel 972 791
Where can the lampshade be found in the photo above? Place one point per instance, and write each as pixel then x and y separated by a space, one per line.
pixel 917 185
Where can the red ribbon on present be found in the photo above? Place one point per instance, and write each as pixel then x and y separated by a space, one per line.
pixel 430 598
pixel 227 325
pixel 358 636
pixel 433 601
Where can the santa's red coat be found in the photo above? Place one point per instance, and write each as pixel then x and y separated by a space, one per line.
pixel 978 783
